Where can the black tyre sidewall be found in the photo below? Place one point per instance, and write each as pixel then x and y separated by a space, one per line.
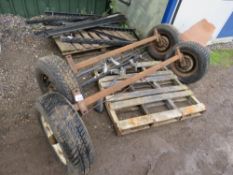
pixel 202 58
pixel 69 130
pixel 60 75
pixel 173 36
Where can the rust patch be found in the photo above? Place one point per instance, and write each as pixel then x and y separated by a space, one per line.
pixel 189 110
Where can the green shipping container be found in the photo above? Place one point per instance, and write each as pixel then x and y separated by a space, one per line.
pixel 29 8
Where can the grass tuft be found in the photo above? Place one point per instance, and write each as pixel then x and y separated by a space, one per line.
pixel 222 57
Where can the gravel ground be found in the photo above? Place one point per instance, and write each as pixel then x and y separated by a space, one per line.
pixel 228 45
pixel 198 146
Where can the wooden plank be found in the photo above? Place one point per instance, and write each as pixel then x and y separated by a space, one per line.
pixel 64 47
pixel 194 99
pixel 145 80
pixel 157 96
pixel 120 34
pixel 117 77
pixel 139 128
pixel 141 93
pixel 109 32
pixel 94 35
pixel 86 46
pixel 142 107
pixel 103 36
pixel 160 117
pixel 175 120
pixel 148 119
pixel 169 102
pixel 146 64
pixel 149 99
pixel 125 35
pixel 79 47
pixel 200 107
pixel 86 35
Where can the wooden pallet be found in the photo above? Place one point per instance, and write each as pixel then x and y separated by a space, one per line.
pixel 69 48
pixel 156 100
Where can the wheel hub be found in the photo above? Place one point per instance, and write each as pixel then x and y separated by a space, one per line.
pixel 47 82
pixel 53 141
pixel 163 44
pixel 185 65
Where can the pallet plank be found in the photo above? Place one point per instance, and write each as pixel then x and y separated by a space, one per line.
pixel 136 94
pixel 94 35
pixel 149 99
pixel 79 47
pixel 146 64
pixel 117 77
pixel 123 35
pixel 145 80
pixel 86 35
pixel 68 48
pixel 160 117
pixel 64 47
pixel 103 36
pixel 166 94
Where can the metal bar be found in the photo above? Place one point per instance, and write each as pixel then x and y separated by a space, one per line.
pixel 109 35
pixel 124 63
pixel 118 86
pixel 116 18
pixel 95 41
pixel 117 28
pixel 51 13
pixel 55 19
pixel 115 52
pixel 71 63
pixel 98 66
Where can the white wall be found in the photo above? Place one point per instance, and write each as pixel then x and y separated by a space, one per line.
pixel 192 11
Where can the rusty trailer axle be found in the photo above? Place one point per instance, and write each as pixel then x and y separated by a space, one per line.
pixel 83 103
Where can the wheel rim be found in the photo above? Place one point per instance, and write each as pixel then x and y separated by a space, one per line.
pixel 47 83
pixel 163 45
pixel 52 140
pixel 186 67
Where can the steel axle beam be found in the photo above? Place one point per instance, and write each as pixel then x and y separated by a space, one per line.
pixel 94 60
pixel 84 103
pixel 119 86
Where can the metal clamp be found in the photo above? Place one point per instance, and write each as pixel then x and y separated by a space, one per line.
pixel 79 99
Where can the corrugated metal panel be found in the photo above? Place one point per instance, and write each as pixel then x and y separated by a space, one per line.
pixel 29 8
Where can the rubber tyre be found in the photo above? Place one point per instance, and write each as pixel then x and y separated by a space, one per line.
pixel 201 61
pixel 59 75
pixel 171 33
pixel 99 106
pixel 68 129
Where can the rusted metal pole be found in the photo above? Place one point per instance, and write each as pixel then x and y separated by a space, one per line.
pixel 115 52
pixel 71 63
pixel 118 86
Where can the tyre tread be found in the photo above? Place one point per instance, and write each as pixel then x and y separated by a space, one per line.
pixel 69 130
pixel 60 74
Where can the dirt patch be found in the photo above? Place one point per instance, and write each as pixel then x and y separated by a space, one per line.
pixel 198 146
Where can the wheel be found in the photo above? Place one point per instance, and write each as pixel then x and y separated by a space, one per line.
pixel 169 38
pixel 99 106
pixel 53 73
pixel 66 132
pixel 194 64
